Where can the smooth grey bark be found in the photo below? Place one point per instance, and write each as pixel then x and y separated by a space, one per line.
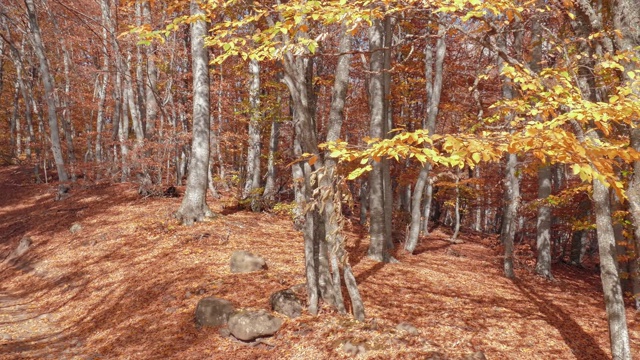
pixel 270 183
pixel 387 186
pixel 377 223
pixel 134 108
pixel 140 82
pixel 332 200
pixel 14 124
pixel 511 182
pixel 613 297
pixel 252 180
pixel 456 226
pixel 21 86
pixel 363 195
pixel 543 224
pixel 217 132
pixel 512 202
pixel 49 89
pixel 543 228
pixel 580 237
pixel 477 223
pixel 434 64
pixel 102 92
pixel 64 102
pixel 589 21
pixel 194 203
pixel 426 211
pixel 151 80
pixel 305 141
pixel 626 17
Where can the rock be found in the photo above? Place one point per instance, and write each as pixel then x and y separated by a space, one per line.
pixel 244 262
pixel 224 332
pixel 21 249
pixel 354 348
pixel 435 356
pixel 212 311
pixel 404 326
pixel 75 227
pixel 250 325
pixel 478 355
pixel 63 192
pixel 286 302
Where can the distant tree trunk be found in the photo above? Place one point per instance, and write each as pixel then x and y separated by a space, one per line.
pixel 49 88
pixel 270 184
pixel 21 86
pixel 134 108
pixel 217 133
pixel 434 78
pixel 102 92
pixel 151 83
pixel 477 223
pixel 579 240
pixel 66 99
pixel 456 227
pixel 194 204
pixel 140 80
pixel 364 201
pixel 252 180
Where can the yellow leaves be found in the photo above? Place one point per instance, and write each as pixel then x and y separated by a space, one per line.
pixel 359 171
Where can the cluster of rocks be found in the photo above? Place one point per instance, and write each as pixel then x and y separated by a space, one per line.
pixel 244 324
pixel 252 325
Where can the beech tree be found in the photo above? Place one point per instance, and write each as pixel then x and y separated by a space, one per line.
pixel 49 88
pixel 194 204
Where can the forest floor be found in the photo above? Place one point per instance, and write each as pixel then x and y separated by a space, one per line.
pixel 126 286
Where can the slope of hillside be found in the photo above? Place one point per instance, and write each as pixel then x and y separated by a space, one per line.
pixel 126 284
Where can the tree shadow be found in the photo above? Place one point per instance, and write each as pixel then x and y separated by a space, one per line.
pixel 572 333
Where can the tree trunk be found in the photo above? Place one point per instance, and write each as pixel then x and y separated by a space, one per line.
pixel 543 238
pixel 194 204
pixel 49 88
pixel 613 298
pixel 377 222
pixel 512 187
pixel 151 83
pixel 270 184
pixel 252 180
pixel 434 77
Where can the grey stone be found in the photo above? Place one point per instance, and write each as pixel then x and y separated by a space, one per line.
pixel 286 302
pixel 212 311
pixel 404 326
pixel 478 355
pixel 354 348
pixel 75 228
pixel 250 325
pixel 244 262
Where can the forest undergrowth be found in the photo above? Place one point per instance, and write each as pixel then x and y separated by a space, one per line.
pixel 125 286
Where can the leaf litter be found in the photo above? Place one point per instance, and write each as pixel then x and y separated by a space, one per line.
pixel 126 285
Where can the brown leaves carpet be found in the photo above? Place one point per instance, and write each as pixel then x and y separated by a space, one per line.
pixel 126 285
